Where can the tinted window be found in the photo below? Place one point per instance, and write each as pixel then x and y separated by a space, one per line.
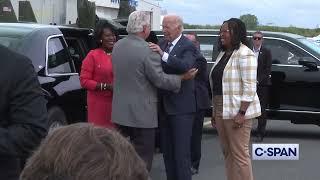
pixel 284 53
pixel 208 45
pixel 311 45
pixel 58 57
pixel 77 51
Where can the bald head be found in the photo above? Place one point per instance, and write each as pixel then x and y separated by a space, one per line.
pixel 172 27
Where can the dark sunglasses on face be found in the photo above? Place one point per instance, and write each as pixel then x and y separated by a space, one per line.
pixel 257 38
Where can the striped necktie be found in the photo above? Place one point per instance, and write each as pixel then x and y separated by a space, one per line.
pixel 167 50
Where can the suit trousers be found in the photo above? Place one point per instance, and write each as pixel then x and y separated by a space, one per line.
pixel 263 95
pixel 196 138
pixel 175 132
pixel 235 144
pixel 143 140
pixel 10 168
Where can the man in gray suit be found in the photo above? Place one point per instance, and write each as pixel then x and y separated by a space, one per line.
pixel 137 75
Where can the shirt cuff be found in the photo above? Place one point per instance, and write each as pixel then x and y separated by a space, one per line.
pixel 165 57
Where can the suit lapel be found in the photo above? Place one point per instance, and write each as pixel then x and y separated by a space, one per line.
pixel 177 46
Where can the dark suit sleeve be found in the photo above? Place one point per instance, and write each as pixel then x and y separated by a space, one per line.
pixel 267 65
pixel 27 109
pixel 201 65
pixel 184 60
pixel 155 74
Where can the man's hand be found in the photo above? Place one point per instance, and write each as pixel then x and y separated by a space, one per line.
pixel 155 48
pixel 190 74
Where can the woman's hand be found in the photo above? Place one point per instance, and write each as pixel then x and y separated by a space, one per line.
pixel 239 121
pixel 104 87
pixel 213 121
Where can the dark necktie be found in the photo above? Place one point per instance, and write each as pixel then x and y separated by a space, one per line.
pixel 167 50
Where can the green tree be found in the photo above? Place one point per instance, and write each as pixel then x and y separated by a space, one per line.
pixel 126 7
pixel 250 20
pixel 7 13
pixel 86 14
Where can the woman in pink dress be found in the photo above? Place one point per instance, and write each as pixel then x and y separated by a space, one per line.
pixel 97 77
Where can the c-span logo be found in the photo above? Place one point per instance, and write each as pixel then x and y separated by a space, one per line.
pixel 275 151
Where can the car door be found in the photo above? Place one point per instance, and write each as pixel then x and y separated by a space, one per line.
pixel 295 87
pixel 66 87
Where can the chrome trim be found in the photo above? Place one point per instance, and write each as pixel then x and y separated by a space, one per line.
pixel 287 65
pixel 210 35
pixel 294 111
pixel 47 56
pixel 62 74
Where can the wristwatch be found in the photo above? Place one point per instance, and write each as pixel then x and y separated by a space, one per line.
pixel 242 112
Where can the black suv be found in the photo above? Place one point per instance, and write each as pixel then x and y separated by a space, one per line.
pixel 56 53
pixel 295 73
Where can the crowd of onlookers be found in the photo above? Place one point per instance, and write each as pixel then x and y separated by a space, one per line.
pixel 137 86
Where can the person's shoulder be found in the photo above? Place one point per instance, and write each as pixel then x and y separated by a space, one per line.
pixel 94 52
pixel 245 50
pixel 14 58
pixel 186 41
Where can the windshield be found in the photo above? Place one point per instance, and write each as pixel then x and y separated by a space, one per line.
pixel 10 42
pixel 11 37
pixel 310 44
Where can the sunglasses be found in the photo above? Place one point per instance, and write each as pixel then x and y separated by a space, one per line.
pixel 257 38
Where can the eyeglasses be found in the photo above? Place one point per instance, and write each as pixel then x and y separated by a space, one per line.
pixel 257 38
pixel 224 31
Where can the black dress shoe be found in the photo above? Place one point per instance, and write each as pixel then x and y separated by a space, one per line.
pixel 194 171
pixel 258 138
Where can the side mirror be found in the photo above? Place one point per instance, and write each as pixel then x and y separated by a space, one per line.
pixel 309 63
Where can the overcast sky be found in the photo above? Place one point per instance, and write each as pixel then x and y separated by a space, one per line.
pixel 299 13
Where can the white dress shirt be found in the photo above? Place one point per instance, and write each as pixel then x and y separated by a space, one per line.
pixel 165 55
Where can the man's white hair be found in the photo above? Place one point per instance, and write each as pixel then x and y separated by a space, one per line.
pixel 178 20
pixel 137 20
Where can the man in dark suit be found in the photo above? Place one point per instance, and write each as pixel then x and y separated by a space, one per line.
pixel 23 114
pixel 178 56
pixel 202 104
pixel 263 77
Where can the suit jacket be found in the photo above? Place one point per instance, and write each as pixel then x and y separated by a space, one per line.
pixel 264 67
pixel 137 75
pixel 23 112
pixel 239 83
pixel 202 83
pixel 181 59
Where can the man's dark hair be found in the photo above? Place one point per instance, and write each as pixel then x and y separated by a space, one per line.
pixel 82 151
pixel 238 34
pixel 258 32
pixel 101 25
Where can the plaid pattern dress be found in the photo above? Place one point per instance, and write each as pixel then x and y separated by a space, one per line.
pixel 239 83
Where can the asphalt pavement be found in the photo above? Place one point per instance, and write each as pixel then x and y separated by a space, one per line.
pixel 306 168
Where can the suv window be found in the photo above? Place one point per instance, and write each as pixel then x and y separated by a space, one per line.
pixel 207 46
pixel 284 53
pixel 58 57
pixel 76 50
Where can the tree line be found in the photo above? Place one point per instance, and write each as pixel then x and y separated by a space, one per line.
pixel 252 23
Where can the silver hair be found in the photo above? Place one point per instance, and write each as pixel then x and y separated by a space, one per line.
pixel 137 20
pixel 180 22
